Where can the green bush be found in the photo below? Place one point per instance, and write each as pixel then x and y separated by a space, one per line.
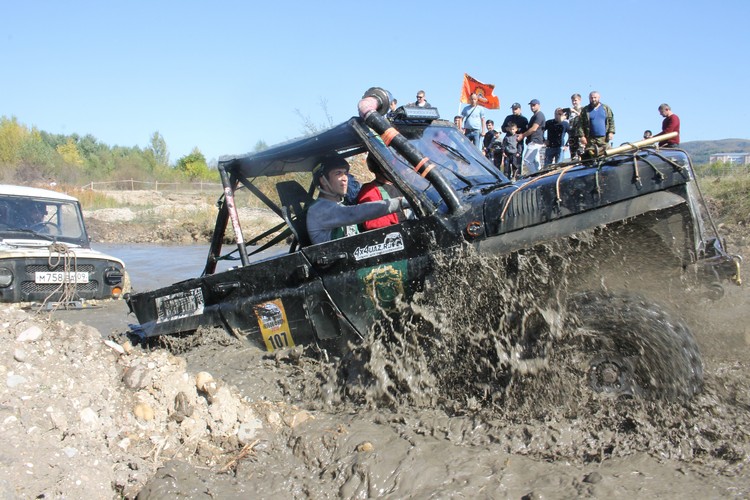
pixel 720 168
pixel 93 200
pixel 729 194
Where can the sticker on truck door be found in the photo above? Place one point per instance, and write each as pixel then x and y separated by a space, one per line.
pixel 179 305
pixel 274 327
pixel 392 242
pixel 383 284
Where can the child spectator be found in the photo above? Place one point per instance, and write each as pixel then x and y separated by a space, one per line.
pixel 511 152
pixel 556 130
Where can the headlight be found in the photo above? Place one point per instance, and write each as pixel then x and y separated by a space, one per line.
pixel 6 277
pixel 112 276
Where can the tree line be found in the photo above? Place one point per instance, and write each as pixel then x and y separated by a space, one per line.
pixel 34 157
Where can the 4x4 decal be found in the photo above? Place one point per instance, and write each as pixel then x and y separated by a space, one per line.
pixel 393 242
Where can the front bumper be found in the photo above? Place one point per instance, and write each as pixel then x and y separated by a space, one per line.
pixel 106 280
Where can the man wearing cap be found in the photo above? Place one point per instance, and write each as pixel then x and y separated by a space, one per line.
pixel 327 217
pixel 522 123
pixel 534 136
pixel 596 126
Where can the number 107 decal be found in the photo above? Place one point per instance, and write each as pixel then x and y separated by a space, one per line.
pixel 273 325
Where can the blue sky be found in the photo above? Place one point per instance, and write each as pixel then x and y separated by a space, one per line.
pixel 223 75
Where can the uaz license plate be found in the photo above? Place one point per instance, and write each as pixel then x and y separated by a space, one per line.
pixel 61 277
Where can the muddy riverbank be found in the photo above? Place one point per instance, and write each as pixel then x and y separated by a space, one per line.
pixel 81 418
pixel 84 415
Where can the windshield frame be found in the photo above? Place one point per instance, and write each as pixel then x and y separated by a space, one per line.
pixel 44 219
pixel 464 167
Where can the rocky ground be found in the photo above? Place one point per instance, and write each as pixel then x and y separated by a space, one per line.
pixel 84 416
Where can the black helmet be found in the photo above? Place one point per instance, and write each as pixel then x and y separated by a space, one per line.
pixel 327 164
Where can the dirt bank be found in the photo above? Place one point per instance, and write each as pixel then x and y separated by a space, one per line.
pixel 81 418
pixel 85 418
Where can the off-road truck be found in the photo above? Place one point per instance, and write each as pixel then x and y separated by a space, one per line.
pixel 46 255
pixel 285 292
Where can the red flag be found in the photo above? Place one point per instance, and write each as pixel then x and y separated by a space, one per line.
pixel 483 91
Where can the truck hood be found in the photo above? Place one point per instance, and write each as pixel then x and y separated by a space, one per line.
pixel 625 187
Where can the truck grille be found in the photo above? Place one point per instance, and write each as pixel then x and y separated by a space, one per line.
pixel 31 287
pixel 33 268
pixel 525 202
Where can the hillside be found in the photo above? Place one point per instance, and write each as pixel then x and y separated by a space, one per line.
pixel 700 151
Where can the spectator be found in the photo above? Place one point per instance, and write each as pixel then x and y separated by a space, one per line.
pixel 495 149
pixel 555 130
pixel 511 152
pixel 488 138
pixel 421 102
pixel 534 136
pixel 671 123
pixel 379 189
pixel 596 126
pixel 573 113
pixel 473 121
pixel 521 123
pixel 647 134
pixel 391 114
pixel 327 217
pixel 458 122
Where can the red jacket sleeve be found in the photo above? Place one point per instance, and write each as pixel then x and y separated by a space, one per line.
pixel 370 192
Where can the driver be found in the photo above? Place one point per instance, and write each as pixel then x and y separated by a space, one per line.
pixel 327 217
pixel 35 216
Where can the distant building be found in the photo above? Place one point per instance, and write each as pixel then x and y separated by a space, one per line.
pixel 733 158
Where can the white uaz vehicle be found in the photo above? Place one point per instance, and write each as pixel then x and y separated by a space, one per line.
pixel 45 251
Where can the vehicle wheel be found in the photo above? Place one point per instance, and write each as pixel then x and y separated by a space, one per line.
pixel 630 346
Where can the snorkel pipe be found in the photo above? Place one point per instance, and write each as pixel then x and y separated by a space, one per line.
pixel 372 108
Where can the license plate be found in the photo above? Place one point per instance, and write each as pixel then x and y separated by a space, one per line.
pixel 61 277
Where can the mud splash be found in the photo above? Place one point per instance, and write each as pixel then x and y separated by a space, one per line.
pixel 473 389
pixel 481 325
pixel 517 333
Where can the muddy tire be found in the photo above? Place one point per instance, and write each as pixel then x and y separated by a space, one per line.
pixel 627 345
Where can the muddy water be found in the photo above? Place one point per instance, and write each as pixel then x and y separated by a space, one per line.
pixel 155 266
pixel 471 394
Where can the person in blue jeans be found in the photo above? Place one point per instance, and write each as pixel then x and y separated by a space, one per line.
pixel 534 136
pixel 474 122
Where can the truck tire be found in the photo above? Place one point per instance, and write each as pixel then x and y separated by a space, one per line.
pixel 630 346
